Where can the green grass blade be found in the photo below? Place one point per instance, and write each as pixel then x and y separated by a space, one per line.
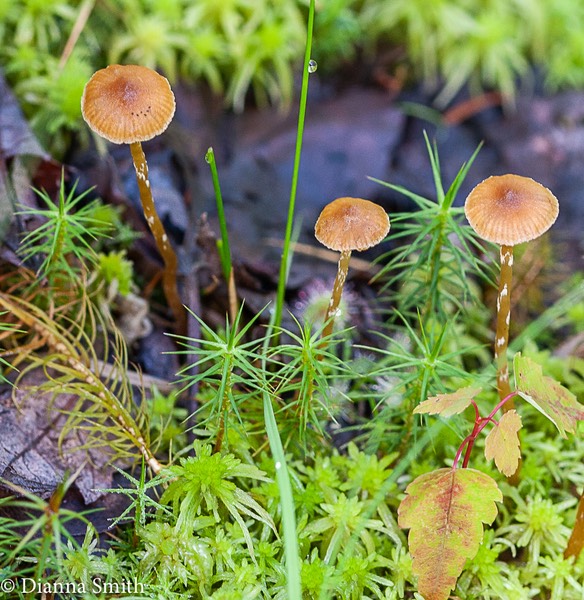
pixel 460 177
pixel 284 264
pixel 435 163
pixel 293 568
pixel 224 250
pixel 552 316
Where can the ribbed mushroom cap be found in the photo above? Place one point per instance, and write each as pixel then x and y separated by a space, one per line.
pixel 127 103
pixel 351 224
pixel 510 209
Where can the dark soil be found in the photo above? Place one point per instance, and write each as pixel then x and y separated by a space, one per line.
pixel 350 135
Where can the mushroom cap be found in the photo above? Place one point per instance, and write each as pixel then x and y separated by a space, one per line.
pixel 510 209
pixel 351 224
pixel 127 103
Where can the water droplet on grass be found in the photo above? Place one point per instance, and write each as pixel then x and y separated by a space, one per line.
pixel 312 66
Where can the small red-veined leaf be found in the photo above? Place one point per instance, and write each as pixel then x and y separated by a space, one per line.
pixel 448 404
pixel 552 399
pixel 445 511
pixel 502 443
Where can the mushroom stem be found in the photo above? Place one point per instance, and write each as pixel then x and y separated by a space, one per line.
pixel 162 243
pixel 503 318
pixel 340 279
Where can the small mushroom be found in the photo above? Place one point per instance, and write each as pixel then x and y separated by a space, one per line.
pixel 130 104
pixel 508 210
pixel 344 225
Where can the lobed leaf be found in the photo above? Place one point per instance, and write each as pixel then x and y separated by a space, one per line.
pixel 502 443
pixel 548 396
pixel 448 404
pixel 445 511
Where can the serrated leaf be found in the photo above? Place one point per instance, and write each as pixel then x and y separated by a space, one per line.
pixel 448 404
pixel 548 396
pixel 445 511
pixel 502 443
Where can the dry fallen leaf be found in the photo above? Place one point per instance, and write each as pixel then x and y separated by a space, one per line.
pixel 30 455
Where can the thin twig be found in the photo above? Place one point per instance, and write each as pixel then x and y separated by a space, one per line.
pixel 84 12
pixel 357 264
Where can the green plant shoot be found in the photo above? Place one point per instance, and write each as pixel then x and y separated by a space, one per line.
pixel 285 260
pixel 223 244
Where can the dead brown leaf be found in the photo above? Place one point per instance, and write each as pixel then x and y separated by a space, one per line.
pixel 30 454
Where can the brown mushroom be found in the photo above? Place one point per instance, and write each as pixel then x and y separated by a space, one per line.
pixel 130 104
pixel 344 225
pixel 508 210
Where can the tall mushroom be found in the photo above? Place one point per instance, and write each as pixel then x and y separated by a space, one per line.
pixel 130 104
pixel 344 225
pixel 508 210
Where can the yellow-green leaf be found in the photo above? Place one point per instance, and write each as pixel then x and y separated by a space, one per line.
pixel 502 443
pixel 445 511
pixel 448 404
pixel 545 394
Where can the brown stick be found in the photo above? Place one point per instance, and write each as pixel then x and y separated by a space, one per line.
pixel 503 319
pixel 468 108
pixel 82 17
pixel 157 228
pixel 340 279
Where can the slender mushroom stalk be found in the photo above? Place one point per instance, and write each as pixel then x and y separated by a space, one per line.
pixel 503 320
pixel 339 284
pixel 508 210
pixel 348 224
pixel 169 284
pixel 130 104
